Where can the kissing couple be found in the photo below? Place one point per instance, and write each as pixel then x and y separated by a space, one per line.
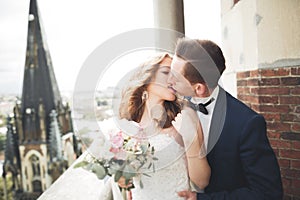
pixel 210 145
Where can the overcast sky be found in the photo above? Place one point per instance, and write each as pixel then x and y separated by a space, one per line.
pixel 74 28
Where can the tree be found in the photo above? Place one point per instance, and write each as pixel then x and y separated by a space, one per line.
pixel 9 184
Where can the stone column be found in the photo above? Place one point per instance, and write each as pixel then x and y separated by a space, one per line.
pixel 168 14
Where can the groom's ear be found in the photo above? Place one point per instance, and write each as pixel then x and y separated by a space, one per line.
pixel 200 89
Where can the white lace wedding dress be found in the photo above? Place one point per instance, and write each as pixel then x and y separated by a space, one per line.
pixel 170 174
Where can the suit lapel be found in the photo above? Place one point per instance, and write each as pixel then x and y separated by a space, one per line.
pixel 218 119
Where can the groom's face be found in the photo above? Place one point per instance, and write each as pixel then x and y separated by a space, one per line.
pixel 177 81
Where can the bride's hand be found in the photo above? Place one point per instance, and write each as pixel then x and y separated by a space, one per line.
pixel 122 183
pixel 188 195
pixel 187 124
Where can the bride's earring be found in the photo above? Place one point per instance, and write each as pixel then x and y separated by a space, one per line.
pixel 144 96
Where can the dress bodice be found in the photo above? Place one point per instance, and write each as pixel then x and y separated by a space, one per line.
pixel 171 174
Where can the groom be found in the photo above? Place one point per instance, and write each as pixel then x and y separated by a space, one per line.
pixel 243 164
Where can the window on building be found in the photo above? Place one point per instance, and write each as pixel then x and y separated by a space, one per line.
pixel 37 186
pixel 235 1
pixel 35 164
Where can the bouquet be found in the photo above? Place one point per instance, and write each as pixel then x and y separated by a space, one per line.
pixel 122 155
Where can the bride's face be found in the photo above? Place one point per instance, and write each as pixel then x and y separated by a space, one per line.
pixel 159 86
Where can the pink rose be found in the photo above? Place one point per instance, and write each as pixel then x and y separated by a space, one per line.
pixel 114 150
pixel 116 140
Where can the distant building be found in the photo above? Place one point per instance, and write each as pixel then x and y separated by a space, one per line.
pixel 40 141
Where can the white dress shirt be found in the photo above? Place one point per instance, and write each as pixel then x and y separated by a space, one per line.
pixel 206 119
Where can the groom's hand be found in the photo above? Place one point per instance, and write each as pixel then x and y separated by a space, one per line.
pixel 188 195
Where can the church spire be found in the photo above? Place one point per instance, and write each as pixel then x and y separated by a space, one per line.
pixel 39 85
pixel 35 137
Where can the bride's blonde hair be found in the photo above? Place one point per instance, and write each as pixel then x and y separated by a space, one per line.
pixel 132 105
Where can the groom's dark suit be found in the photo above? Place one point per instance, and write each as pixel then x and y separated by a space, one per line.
pixel 243 164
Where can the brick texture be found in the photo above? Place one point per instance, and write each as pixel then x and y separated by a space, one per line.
pixel 275 93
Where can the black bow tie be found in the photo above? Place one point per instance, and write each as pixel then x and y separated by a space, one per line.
pixel 201 106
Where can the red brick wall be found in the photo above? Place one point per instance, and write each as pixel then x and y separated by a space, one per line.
pixel 275 93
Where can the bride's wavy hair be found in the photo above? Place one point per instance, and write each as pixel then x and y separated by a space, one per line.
pixel 132 106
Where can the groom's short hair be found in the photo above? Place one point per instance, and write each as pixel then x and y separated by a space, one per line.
pixel 205 61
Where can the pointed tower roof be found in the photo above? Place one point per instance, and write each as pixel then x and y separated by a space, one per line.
pixel 39 85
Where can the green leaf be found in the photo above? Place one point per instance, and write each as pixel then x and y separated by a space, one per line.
pixel 118 175
pixel 99 170
pixel 146 174
pixel 142 164
pixel 88 166
pixel 127 181
pixel 129 172
pixel 144 148
pixel 112 170
pixel 154 158
pixel 141 184
pixel 152 152
pixel 128 175
pixel 153 167
pixel 81 164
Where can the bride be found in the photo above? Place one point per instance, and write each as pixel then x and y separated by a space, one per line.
pixel 177 138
